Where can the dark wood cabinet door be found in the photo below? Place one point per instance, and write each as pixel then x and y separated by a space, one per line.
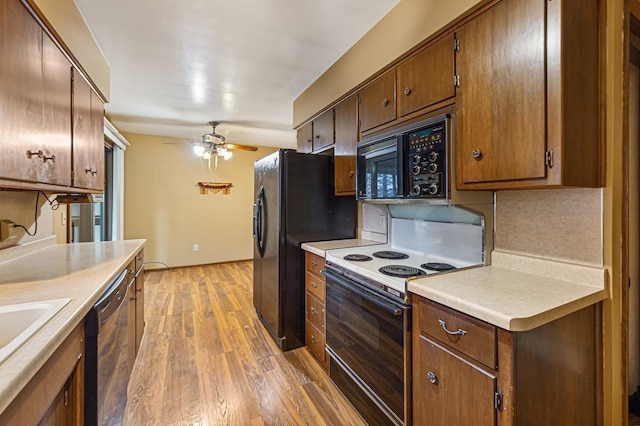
pixel 21 96
pixel 88 141
pixel 501 122
pixel 378 102
pixel 346 129
pixel 305 138
pixel 97 141
pixel 427 77
pixel 56 120
pixel 323 135
pixel 449 390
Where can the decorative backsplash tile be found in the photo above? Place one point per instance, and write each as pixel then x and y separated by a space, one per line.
pixel 564 224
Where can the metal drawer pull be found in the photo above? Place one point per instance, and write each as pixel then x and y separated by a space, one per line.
pixel 314 311
pixel 433 379
pixel 314 284
pixel 460 331
pixel 314 263
pixel 385 102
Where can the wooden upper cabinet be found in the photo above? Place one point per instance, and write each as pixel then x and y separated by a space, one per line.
pixel 427 77
pixel 527 101
pixel 57 111
pixel 323 135
pixel 35 85
pixel 501 98
pixel 378 102
pixel 346 131
pixel 305 138
pixel 88 137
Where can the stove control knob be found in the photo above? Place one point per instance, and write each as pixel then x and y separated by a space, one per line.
pixel 433 189
pixel 417 189
pixel 416 170
pixel 416 159
pixel 433 156
pixel 433 167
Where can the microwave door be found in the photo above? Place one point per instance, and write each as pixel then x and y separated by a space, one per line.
pixel 384 176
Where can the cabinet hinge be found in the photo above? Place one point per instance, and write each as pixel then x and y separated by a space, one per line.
pixel 456 80
pixel 548 158
pixel 66 398
pixel 456 44
pixel 497 400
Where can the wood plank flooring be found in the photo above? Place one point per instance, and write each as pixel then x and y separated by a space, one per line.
pixel 206 359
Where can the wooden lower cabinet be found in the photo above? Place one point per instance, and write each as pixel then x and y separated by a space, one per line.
pixel 545 376
pixel 315 308
pixel 135 295
pixel 55 395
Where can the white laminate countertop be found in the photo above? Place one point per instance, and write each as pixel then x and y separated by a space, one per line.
pixel 81 272
pixel 320 247
pixel 516 293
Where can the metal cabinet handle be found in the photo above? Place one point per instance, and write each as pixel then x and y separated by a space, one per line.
pixel 314 311
pixel 313 340
pixel 350 173
pixel 433 379
pixel 460 331
pixel 40 154
pixel 407 90
pixel 314 284
pixel 385 102
pixel 91 170
pixel 314 263
pixel 476 153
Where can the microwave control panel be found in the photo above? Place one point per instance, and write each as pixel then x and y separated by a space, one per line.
pixel 427 161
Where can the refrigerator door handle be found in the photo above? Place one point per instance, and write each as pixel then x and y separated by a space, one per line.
pixel 258 221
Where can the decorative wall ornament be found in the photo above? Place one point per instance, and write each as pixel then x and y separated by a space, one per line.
pixel 215 187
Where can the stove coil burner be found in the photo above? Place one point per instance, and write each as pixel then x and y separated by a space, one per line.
pixel 437 266
pixel 401 271
pixel 388 254
pixel 357 257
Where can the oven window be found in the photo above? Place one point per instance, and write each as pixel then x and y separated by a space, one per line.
pixel 369 338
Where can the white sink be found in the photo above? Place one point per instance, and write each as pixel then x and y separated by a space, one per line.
pixel 19 322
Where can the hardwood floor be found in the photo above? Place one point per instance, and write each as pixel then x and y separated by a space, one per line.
pixel 206 359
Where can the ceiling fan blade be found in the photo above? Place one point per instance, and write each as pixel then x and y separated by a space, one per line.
pixel 240 147
pixel 179 143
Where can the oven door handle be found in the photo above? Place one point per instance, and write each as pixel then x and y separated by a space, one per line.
pixel 378 301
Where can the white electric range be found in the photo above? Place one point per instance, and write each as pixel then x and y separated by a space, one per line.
pixel 416 249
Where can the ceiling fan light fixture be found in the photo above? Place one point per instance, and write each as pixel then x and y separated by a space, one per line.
pixel 198 150
pixel 227 155
pixel 206 155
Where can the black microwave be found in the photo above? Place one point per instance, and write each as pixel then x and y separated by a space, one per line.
pixel 408 163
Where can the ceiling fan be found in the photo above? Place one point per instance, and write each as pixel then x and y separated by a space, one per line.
pixel 214 145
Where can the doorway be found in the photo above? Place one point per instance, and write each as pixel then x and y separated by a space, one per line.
pixel 631 155
pixel 92 222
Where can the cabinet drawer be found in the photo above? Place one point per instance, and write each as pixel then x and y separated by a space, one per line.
pixel 314 263
pixel 315 311
pixel 315 342
pixel 315 285
pixel 472 337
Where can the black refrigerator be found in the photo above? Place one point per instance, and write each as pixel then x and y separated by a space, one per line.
pixel 294 203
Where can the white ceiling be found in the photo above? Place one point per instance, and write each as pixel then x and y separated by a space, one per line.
pixel 175 66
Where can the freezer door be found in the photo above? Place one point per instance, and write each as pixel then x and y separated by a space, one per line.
pixel 266 279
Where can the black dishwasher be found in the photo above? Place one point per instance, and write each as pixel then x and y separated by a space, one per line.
pixel 107 364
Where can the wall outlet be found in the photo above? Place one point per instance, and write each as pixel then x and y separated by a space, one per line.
pixel 7 230
pixel 195 247
pixel 63 218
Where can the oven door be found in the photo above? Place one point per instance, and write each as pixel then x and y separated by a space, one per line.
pixel 368 343
pixel 380 168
